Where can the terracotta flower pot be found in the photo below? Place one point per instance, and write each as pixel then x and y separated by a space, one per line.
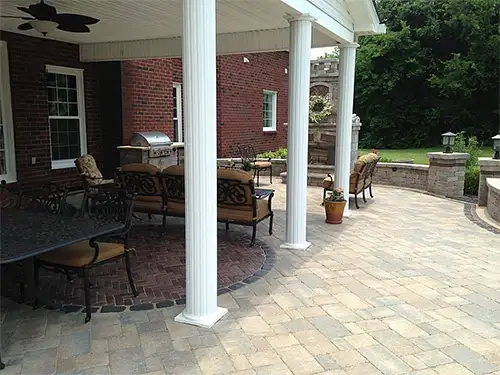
pixel 334 211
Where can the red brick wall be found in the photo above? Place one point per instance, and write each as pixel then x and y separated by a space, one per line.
pixel 147 98
pixel 240 100
pixel 27 59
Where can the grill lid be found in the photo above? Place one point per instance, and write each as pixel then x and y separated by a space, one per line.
pixel 150 139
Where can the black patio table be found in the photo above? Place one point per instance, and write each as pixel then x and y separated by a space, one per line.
pixel 25 234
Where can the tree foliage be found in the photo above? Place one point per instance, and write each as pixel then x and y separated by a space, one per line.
pixel 436 69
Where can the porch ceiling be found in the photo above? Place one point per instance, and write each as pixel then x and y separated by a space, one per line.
pixel 126 20
pixel 131 29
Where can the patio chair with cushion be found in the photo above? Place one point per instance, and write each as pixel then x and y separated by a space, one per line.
pixel 79 258
pixel 91 177
pixel 247 153
pixel 360 178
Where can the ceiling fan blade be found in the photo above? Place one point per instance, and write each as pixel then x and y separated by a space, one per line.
pixel 20 18
pixel 74 28
pixel 25 26
pixel 26 10
pixel 75 18
pixel 40 11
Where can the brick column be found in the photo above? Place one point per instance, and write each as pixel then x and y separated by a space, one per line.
pixel 489 168
pixel 447 173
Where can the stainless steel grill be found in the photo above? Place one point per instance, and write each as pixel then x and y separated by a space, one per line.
pixel 151 148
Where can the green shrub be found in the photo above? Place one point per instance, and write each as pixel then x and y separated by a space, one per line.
pixel 383 159
pixel 469 145
pixel 280 153
pixel 471 185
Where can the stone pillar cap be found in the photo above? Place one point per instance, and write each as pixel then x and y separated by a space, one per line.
pixel 489 161
pixel 448 155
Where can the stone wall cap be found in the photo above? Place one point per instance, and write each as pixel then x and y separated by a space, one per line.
pixel 489 162
pixel 421 167
pixel 448 156
pixel 493 184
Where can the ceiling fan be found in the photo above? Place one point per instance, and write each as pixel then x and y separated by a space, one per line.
pixel 44 18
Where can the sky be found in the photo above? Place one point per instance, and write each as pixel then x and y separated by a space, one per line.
pixel 317 52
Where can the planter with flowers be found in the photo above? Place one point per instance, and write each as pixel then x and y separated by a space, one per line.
pixel 334 206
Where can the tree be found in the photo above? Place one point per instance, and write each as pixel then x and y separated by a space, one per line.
pixel 334 54
pixel 436 69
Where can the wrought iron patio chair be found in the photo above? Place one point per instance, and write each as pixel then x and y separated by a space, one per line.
pixel 78 259
pixel 92 178
pixel 248 154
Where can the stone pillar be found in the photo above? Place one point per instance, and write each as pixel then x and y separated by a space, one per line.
pixel 298 122
pixel 447 173
pixel 356 126
pixel 489 168
pixel 344 119
pixel 198 46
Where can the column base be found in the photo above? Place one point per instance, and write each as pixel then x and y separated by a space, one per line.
pixel 347 213
pixel 203 321
pixel 295 246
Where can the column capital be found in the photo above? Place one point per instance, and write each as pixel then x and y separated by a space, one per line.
pixel 299 17
pixel 348 45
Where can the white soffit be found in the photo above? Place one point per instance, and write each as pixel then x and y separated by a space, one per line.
pixel 231 43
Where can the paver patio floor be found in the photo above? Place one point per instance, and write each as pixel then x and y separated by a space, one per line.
pixel 406 285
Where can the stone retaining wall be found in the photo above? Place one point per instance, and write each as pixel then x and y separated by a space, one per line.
pixel 493 206
pixel 490 168
pixel 401 174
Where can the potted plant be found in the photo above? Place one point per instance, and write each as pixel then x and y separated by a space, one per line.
pixel 246 165
pixel 334 206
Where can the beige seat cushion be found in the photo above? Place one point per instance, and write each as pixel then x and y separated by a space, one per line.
pixel 328 183
pixel 262 164
pixel 140 167
pixel 81 254
pixel 175 208
pixel 148 207
pixel 245 216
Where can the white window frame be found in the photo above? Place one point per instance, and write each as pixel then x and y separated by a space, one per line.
pixel 274 110
pixel 8 123
pixel 178 97
pixel 80 92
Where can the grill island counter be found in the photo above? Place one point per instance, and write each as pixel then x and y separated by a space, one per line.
pixel 154 148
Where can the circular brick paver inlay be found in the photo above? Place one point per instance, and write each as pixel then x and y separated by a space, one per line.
pixel 158 266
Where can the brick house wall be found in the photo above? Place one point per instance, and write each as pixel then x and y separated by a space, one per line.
pixel 147 92
pixel 27 59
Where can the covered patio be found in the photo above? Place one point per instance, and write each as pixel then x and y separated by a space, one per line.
pixel 197 30
pixel 412 291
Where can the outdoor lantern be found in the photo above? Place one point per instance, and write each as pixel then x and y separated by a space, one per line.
pixel 448 141
pixel 496 146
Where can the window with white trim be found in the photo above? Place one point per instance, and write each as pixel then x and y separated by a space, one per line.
pixel 177 95
pixel 7 152
pixel 65 95
pixel 269 110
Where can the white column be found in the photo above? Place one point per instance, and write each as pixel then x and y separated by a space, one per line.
pixel 347 63
pixel 298 133
pixel 198 58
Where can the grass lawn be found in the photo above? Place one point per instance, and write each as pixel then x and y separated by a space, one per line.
pixel 419 155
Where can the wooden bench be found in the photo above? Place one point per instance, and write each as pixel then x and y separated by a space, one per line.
pixel 360 179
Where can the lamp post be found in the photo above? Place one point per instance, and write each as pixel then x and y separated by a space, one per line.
pixel 496 146
pixel 448 141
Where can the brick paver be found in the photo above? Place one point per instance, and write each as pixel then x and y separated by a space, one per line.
pixel 406 285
